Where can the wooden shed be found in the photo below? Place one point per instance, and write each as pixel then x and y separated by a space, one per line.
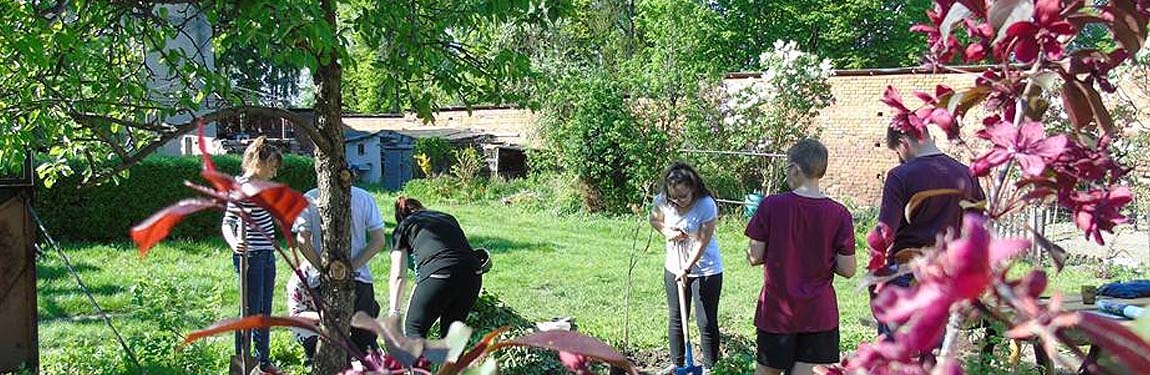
pixel 19 345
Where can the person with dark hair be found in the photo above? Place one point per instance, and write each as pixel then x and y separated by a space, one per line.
pixel 448 273
pixel 250 231
pixel 685 213
pixel 922 168
pixel 802 238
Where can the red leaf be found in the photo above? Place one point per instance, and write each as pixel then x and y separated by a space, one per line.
pixel 1084 105
pixel 1115 339
pixel 280 200
pixel 572 342
pixel 209 165
pixel 1128 24
pixel 480 348
pixel 404 349
pixel 220 181
pixel 248 323
pixel 153 230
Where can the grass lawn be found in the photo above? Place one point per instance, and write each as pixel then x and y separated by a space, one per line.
pixel 545 266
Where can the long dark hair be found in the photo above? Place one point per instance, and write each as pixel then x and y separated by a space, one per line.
pixel 681 173
pixel 405 206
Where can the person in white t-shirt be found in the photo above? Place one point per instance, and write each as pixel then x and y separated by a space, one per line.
pixel 367 239
pixel 685 213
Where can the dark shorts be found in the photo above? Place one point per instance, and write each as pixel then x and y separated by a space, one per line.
pixel 781 351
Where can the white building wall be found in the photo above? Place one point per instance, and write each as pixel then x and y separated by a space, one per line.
pixel 195 43
pixel 371 157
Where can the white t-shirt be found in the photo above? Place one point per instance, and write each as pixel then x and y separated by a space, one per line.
pixel 365 217
pixel 704 210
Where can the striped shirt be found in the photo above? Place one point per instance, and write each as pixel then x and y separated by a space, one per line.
pixel 248 232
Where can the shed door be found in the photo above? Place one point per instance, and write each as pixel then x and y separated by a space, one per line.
pixel 18 346
pixel 397 167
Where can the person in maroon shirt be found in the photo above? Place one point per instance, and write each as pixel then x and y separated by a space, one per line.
pixel 922 168
pixel 802 238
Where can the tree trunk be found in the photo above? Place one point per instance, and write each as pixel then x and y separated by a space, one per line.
pixel 334 182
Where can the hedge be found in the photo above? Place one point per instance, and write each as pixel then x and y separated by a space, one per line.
pixel 105 213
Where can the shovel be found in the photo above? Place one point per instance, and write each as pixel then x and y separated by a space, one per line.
pixel 689 366
pixel 242 362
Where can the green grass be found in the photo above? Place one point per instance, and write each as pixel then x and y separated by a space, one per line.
pixel 545 266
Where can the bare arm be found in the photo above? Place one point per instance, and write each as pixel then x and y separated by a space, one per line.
pixel 845 265
pixel 397 280
pixel 232 237
pixel 703 238
pixel 756 252
pixel 307 248
pixel 375 243
pixel 670 234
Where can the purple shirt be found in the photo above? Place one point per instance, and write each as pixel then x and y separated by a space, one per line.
pixel 934 215
pixel 803 235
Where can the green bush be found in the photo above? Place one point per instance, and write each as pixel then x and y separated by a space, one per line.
pixel 107 212
pixel 590 125
pixel 491 313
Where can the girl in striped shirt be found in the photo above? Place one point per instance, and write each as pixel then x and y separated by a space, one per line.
pixel 250 230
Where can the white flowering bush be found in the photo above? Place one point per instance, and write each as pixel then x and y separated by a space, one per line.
pixel 783 103
pixel 767 114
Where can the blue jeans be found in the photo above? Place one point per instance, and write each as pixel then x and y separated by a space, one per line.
pixel 903 281
pixel 261 283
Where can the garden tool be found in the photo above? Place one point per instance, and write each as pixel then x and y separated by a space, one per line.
pixel 242 362
pixel 689 367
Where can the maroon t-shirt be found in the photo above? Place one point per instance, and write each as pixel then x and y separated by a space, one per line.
pixel 934 215
pixel 803 235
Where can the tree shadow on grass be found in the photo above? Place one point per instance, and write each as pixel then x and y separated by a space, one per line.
pixel 502 245
pixel 57 270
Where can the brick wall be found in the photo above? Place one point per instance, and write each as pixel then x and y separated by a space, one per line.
pixel 508 125
pixel 853 128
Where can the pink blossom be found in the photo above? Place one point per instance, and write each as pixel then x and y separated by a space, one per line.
pixel 575 363
pixel 984 34
pixel 942 47
pixel 1099 210
pixel 914 122
pixel 971 259
pixel 879 241
pixel 1041 34
pixel 904 119
pixel 1027 144
pixel 1004 91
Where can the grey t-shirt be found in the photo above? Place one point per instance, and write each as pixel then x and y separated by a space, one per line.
pixel 704 210
pixel 365 217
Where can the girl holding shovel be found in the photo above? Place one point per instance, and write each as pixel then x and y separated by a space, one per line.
pixel 250 231
pixel 685 213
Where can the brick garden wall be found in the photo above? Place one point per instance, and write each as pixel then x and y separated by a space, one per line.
pixel 853 128
pixel 509 125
